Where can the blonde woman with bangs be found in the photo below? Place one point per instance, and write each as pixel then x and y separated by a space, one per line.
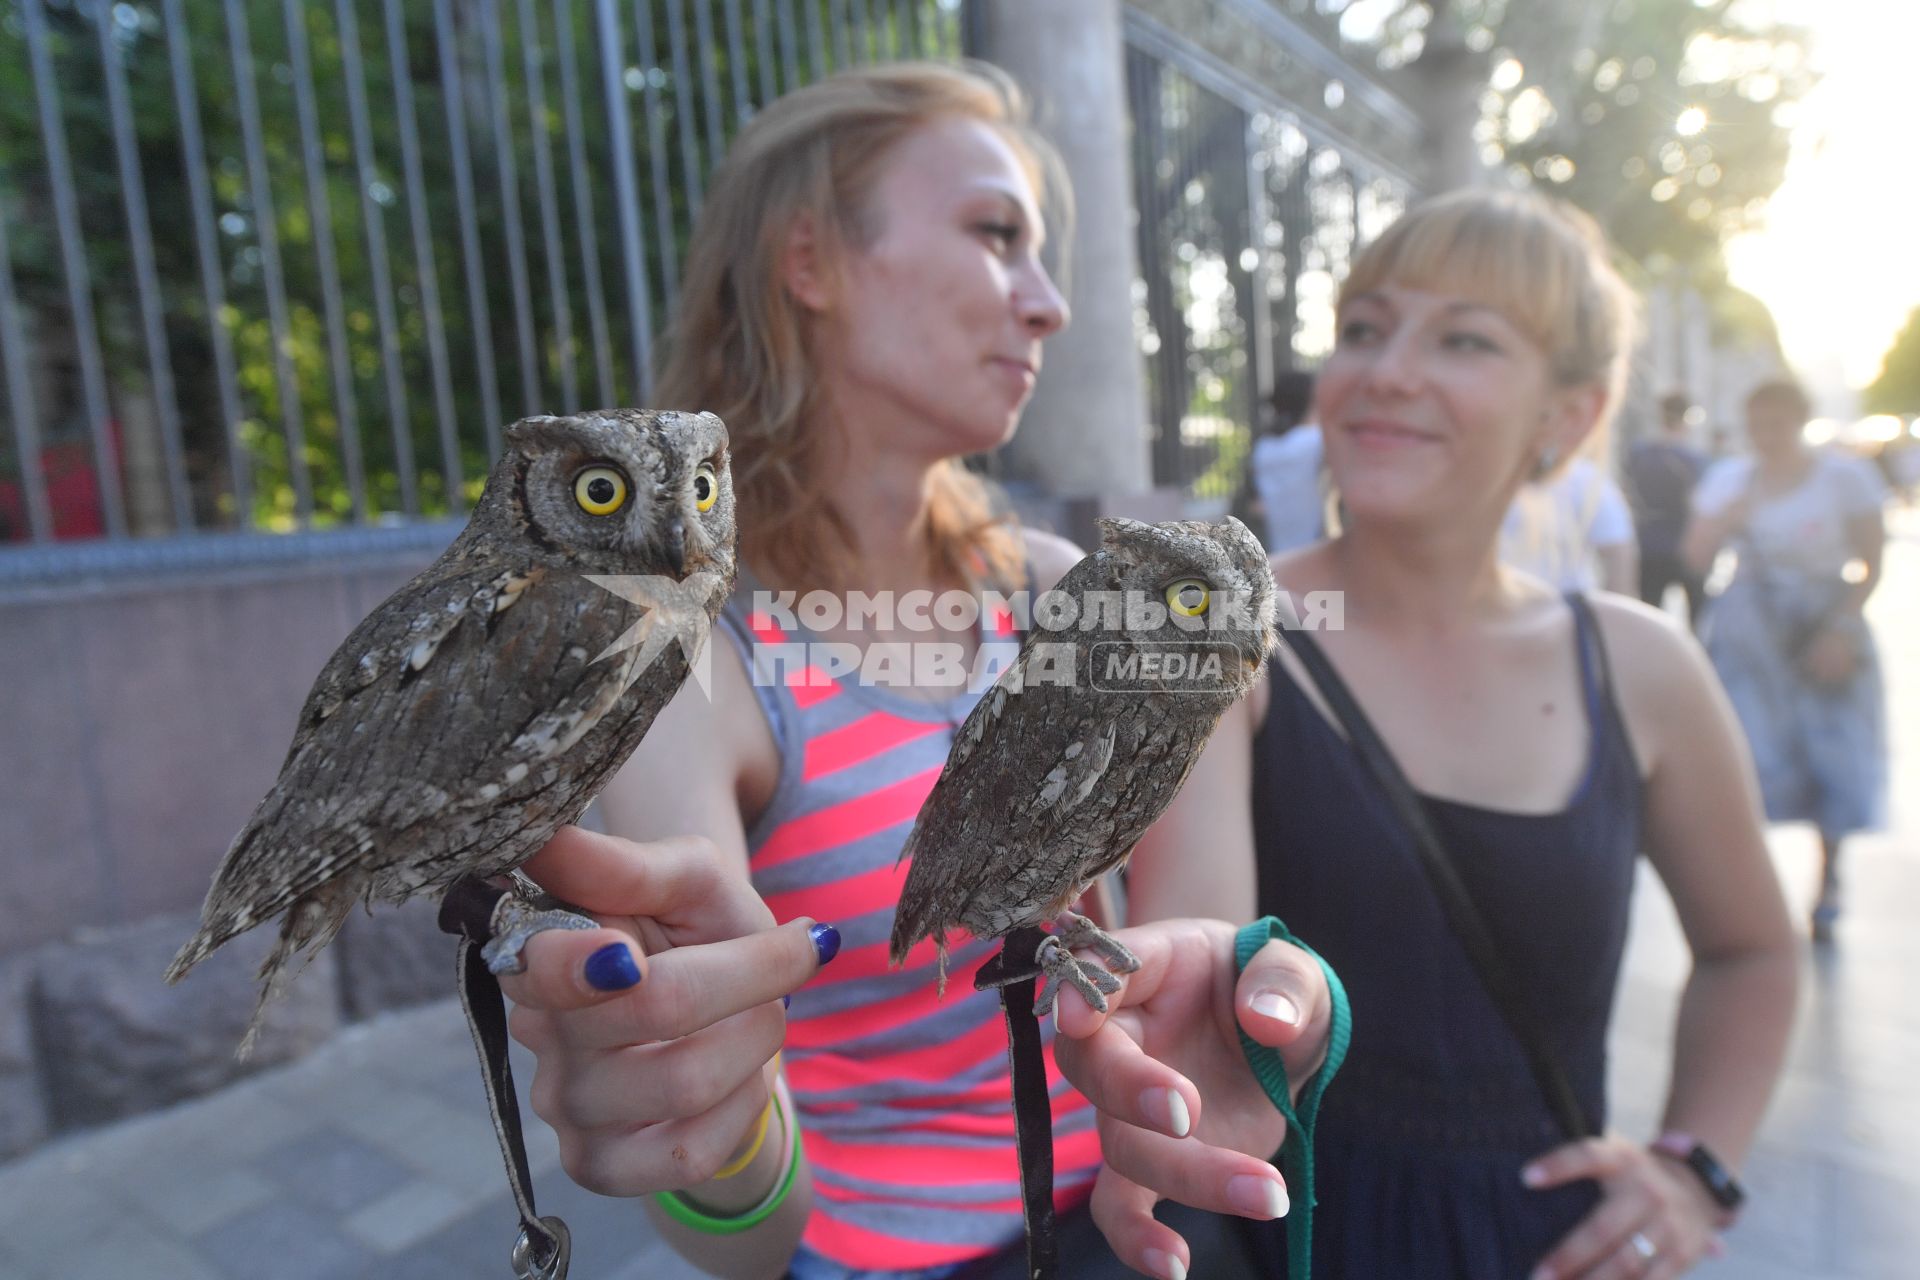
pixel 1550 739
pixel 864 304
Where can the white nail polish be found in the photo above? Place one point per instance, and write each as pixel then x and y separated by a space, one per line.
pixel 1273 1005
pixel 1256 1196
pixel 1166 1265
pixel 1182 1123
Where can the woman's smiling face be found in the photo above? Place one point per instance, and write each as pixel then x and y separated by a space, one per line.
pixel 1433 403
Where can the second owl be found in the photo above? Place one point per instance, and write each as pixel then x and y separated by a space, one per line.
pixel 1086 738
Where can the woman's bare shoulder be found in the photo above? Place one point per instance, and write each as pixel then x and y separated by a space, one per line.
pixel 1049 556
pixel 1662 676
pixel 710 763
pixel 1644 644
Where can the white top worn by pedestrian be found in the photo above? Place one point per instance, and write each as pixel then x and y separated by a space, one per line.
pixel 1560 531
pixel 1286 473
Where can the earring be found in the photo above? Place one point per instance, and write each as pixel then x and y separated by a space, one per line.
pixel 1544 464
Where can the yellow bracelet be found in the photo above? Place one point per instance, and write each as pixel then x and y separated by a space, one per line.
pixel 753 1149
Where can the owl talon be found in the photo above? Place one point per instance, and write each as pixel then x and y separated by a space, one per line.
pixel 1076 931
pixel 1059 965
pixel 522 912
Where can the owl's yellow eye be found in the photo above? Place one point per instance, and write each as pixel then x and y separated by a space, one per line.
pixel 600 491
pixel 706 487
pixel 1188 597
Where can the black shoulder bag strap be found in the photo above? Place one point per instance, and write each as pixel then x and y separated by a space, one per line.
pixel 1462 915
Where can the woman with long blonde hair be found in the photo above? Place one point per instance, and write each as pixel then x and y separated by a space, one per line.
pixel 864 304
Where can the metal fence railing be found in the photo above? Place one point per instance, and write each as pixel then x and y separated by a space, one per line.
pixel 1249 212
pixel 280 264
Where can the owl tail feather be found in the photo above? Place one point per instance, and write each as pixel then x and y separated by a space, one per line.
pixel 310 924
pixel 198 948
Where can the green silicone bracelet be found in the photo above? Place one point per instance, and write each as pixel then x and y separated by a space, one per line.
pixel 1296 1153
pixel 674 1206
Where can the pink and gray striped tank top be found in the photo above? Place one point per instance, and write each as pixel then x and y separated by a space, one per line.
pixel 904 1096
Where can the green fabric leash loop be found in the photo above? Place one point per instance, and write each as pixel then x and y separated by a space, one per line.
pixel 1296 1153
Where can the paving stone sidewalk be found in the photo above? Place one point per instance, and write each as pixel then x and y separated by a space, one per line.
pixel 373 1158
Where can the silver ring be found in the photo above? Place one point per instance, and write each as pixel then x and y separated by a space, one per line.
pixel 1646 1248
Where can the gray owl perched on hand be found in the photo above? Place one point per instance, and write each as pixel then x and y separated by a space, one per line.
pixel 484 704
pixel 1085 739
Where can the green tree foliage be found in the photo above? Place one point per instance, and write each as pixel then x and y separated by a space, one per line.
pixel 1897 388
pixel 1666 119
pixel 680 111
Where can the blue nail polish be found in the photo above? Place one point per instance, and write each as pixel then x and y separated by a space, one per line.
pixel 611 968
pixel 786 1002
pixel 826 941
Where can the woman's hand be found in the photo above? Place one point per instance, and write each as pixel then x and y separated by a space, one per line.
pixel 1169 1042
pixel 653 1034
pixel 1655 1219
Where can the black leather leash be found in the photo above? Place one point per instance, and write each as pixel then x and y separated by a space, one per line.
pixel 544 1248
pixel 1032 1107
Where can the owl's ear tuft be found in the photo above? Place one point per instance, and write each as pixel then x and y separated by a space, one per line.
pixel 531 433
pixel 1241 541
pixel 1116 531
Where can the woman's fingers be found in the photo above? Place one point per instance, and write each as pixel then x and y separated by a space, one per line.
pixel 1206 1177
pixel 1123 1210
pixel 663 1157
pixel 652 897
pixel 1589 1158
pixel 1282 1001
pixel 647 1084
pixel 1599 1237
pixel 684 880
pixel 571 969
pixel 692 987
pixel 1114 1072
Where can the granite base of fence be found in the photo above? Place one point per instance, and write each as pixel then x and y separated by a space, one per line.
pixel 90 1033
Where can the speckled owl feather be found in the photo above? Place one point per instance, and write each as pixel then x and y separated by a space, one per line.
pixel 472 714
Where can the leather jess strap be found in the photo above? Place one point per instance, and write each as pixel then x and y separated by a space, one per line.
pixel 544 1248
pixel 1032 1103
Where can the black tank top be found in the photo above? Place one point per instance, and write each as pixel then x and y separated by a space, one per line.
pixel 1432 1061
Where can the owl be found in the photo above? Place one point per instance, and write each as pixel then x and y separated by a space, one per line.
pixel 484 704
pixel 1085 739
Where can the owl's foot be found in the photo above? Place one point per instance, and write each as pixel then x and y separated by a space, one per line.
pixel 1059 966
pixel 524 910
pixel 1077 931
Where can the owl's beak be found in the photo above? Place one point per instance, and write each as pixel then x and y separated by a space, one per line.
pixel 677 546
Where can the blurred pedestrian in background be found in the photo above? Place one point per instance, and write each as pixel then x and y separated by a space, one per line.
pixel 1571 527
pixel 1788 636
pixel 1286 467
pixel 1661 474
pixel 1548 739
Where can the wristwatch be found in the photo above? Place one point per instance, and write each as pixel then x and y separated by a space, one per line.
pixel 1693 1153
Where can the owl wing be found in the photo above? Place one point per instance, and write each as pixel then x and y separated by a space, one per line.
pixel 1020 820
pixel 413 724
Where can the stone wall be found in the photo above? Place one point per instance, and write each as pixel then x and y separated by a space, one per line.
pixel 143 716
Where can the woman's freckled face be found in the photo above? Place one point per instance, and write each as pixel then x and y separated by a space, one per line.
pixel 1429 401
pixel 936 324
